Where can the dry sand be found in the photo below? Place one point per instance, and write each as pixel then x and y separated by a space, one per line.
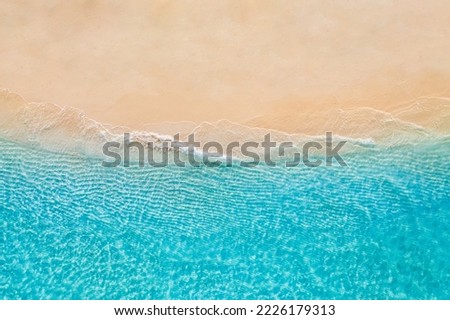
pixel 286 65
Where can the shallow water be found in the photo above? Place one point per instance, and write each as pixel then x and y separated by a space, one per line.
pixel 377 229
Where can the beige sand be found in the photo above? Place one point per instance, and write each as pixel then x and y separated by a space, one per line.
pixel 285 65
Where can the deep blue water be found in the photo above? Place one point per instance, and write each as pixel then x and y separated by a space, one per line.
pixel 377 229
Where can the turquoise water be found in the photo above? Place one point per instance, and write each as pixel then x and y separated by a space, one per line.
pixel 377 229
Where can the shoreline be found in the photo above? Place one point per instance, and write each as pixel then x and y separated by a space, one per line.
pixel 59 128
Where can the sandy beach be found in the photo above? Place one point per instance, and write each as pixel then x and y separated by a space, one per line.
pixel 285 66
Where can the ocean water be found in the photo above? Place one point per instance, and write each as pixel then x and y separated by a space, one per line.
pixel 376 229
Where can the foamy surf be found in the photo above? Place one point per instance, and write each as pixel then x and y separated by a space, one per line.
pixel 69 130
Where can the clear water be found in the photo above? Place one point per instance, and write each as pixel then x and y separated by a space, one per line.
pixel 377 229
